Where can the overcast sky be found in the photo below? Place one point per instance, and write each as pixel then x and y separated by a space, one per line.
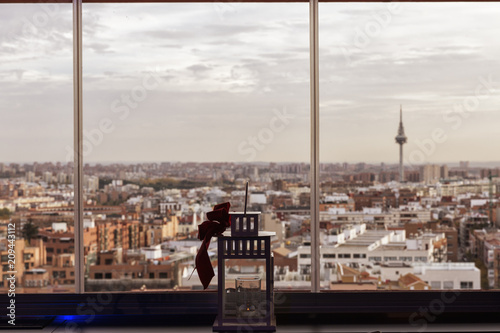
pixel 230 82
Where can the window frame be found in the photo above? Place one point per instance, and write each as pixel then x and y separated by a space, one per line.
pixel 205 302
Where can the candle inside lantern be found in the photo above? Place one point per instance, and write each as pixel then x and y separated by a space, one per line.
pixel 248 289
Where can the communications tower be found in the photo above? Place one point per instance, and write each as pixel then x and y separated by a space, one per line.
pixel 401 140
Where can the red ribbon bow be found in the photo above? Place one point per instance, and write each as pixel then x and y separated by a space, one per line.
pixel 218 221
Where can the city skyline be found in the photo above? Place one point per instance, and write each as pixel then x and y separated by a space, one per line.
pixel 135 219
pixel 472 164
pixel 213 76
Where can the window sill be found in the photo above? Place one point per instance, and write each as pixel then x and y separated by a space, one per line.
pixel 392 304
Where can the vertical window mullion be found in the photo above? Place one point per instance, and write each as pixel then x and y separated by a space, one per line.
pixel 314 50
pixel 78 148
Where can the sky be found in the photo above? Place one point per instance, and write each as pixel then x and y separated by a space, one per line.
pixel 230 82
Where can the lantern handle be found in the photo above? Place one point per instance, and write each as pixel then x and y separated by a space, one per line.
pixel 246 198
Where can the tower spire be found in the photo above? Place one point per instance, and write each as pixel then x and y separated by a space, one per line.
pixel 401 130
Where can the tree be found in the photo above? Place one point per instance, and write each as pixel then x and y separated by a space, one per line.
pixel 30 230
pixel 4 214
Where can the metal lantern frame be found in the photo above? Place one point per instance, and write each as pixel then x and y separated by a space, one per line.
pixel 245 241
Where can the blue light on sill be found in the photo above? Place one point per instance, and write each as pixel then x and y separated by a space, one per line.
pixel 68 317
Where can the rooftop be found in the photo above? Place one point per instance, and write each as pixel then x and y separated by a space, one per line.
pixel 393 247
pixel 465 266
pixel 367 238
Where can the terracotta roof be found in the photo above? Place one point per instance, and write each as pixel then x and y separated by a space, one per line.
pixel 350 271
pixel 282 251
pixel 410 279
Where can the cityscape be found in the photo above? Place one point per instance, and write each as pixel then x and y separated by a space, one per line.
pixel 434 230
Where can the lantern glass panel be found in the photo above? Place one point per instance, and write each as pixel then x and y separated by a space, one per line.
pixel 249 296
pixel 245 289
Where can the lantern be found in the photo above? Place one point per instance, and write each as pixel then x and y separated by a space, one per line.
pixel 245 300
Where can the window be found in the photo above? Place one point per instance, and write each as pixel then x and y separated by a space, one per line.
pixel 436 285
pixel 447 284
pixel 35 99
pixel 329 255
pixel 356 54
pixel 345 91
pixel 466 285
pixel 163 78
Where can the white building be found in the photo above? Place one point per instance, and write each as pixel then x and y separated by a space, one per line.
pixel 449 275
pixel 153 252
pixel 365 248
pixel 59 227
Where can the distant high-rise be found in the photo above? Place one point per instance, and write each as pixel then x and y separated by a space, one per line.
pixel 401 140
pixel 47 177
pixel 430 173
pixel 30 177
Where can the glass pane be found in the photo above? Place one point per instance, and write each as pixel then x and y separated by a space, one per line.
pixel 183 104
pixel 410 227
pixel 36 167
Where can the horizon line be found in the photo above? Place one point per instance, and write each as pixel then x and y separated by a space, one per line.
pixel 253 162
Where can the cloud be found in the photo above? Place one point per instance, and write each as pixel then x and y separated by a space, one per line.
pixel 222 75
pixel 236 30
pixel 199 69
pixel 101 48
pixel 164 34
pixel 171 46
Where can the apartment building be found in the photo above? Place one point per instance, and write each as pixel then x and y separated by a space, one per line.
pixel 485 244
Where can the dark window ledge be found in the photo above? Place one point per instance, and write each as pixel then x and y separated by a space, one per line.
pixel 387 304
